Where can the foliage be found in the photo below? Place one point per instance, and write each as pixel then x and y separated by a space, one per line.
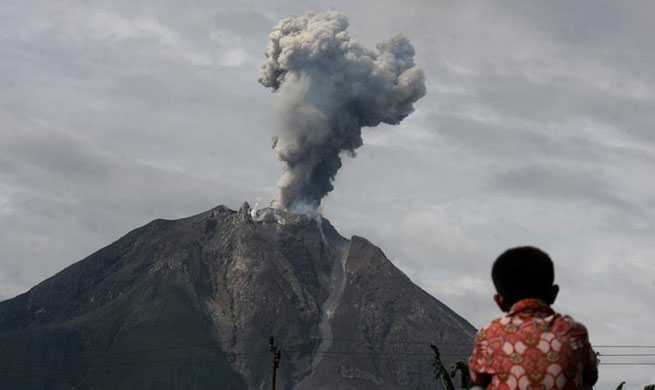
pixel 464 376
pixel 440 371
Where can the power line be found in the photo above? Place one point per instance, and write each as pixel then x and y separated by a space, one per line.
pixel 373 353
pixel 432 342
pixel 98 368
pixel 373 341
pixel 107 354
pixel 222 355
pixel 408 342
pixel 215 343
pixel 329 354
pixel 628 364
pixel 9 367
pixel 379 356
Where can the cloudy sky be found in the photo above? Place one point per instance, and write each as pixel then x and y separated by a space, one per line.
pixel 536 129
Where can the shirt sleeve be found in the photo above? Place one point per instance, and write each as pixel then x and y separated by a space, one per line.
pixel 590 364
pixel 580 341
pixel 479 360
pixel 591 368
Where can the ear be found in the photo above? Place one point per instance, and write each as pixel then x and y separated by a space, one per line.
pixel 553 294
pixel 501 302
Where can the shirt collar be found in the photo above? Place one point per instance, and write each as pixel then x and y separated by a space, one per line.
pixel 530 304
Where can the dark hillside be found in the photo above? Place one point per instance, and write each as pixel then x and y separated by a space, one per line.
pixel 190 303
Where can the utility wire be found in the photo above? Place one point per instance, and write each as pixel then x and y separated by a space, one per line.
pixel 432 342
pixel 98 368
pixel 101 355
pixel 330 354
pixel 351 354
pixel 130 364
pixel 409 342
pixel 152 364
pixel 95 368
pixel 628 364
pixel 371 341
pixel 10 368
pixel 146 361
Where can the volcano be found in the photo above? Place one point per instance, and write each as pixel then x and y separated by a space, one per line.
pixel 191 304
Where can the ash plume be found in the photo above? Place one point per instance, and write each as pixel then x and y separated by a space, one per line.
pixel 328 87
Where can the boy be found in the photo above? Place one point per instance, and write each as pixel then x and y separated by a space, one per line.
pixel 532 347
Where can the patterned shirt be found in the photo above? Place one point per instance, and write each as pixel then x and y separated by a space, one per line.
pixel 531 348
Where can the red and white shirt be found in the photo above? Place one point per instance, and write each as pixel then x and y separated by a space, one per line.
pixel 531 348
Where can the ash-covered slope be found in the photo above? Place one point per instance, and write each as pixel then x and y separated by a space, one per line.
pixel 190 303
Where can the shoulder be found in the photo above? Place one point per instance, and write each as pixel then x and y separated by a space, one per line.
pixel 574 331
pixel 490 329
pixel 495 323
pixel 567 323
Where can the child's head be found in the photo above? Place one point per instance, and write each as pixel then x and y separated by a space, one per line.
pixel 523 272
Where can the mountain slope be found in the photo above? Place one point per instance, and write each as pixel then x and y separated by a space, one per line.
pixel 190 303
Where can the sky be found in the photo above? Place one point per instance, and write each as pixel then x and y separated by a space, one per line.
pixel 536 129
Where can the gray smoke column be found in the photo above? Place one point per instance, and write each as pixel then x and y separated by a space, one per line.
pixel 328 87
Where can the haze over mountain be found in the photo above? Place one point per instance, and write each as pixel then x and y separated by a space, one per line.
pixel 190 303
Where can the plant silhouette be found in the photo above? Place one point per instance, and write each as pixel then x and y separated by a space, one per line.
pixel 440 371
pixel 464 376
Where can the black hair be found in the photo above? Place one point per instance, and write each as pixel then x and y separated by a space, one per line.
pixel 523 272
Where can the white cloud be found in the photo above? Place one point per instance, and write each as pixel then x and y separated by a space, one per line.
pixel 112 27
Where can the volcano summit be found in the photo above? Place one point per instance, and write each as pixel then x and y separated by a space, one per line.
pixel 190 303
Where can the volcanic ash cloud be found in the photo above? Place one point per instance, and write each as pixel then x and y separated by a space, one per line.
pixel 328 87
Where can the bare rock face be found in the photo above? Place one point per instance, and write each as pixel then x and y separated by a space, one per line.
pixel 190 304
